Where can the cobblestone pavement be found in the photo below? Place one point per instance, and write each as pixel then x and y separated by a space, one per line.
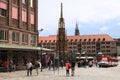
pixel 93 73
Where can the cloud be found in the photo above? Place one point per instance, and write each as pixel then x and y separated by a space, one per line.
pixel 90 14
pixel 91 10
pixel 118 24
pixel 104 28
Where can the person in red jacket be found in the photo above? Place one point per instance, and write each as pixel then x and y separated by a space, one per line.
pixel 5 65
pixel 67 64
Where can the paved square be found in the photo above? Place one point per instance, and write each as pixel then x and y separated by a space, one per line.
pixel 94 73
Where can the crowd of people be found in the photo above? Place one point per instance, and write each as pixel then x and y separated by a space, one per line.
pixel 84 63
pixel 10 66
pixel 30 66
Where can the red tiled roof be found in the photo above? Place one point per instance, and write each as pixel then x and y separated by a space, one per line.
pixel 81 38
pixel 50 38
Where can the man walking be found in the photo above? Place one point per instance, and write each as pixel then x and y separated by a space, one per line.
pixel 72 68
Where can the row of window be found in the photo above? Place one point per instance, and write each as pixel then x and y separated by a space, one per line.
pixel 83 47
pixel 92 46
pixel 3 13
pixel 83 43
pixel 24 2
pixel 4 35
pixel 48 44
pixel 73 50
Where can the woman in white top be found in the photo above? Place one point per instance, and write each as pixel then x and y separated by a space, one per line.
pixel 29 68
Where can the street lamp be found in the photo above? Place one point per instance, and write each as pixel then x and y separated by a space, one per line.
pixel 41 57
pixel 40 46
pixel 40 31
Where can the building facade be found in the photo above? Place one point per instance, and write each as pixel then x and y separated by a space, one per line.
pixel 18 31
pixel 118 45
pixel 91 45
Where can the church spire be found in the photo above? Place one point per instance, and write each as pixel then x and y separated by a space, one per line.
pixel 61 20
pixel 61 11
pixel 76 30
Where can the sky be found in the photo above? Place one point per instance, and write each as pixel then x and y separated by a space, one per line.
pixel 92 16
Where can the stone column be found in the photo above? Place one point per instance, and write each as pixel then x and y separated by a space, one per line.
pixel 36 15
pixel 28 15
pixel 36 20
pixel 20 13
pixel 10 36
pixel 9 12
pixel 20 61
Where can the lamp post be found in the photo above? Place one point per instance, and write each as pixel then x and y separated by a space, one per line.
pixel 40 46
pixel 41 57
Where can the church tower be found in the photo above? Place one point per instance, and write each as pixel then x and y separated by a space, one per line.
pixel 77 30
pixel 61 44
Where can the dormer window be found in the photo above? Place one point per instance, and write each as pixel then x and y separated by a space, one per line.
pixel 45 41
pixel 41 41
pixel 89 39
pixel 53 40
pixel 75 40
pixel 80 40
pixel 98 39
pixel 94 39
pixel 84 39
pixel 103 39
pixel 71 40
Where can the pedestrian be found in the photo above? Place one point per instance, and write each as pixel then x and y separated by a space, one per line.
pixel 67 65
pixel 62 64
pixel 50 64
pixel 5 65
pixel 72 68
pixel 14 67
pixel 29 68
pixel 90 63
pixel 37 65
pixel 10 65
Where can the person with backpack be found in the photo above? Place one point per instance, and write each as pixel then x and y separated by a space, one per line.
pixel 67 65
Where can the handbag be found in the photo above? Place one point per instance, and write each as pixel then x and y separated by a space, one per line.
pixel 31 68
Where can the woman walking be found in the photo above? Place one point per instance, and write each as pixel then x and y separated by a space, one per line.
pixel 29 68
